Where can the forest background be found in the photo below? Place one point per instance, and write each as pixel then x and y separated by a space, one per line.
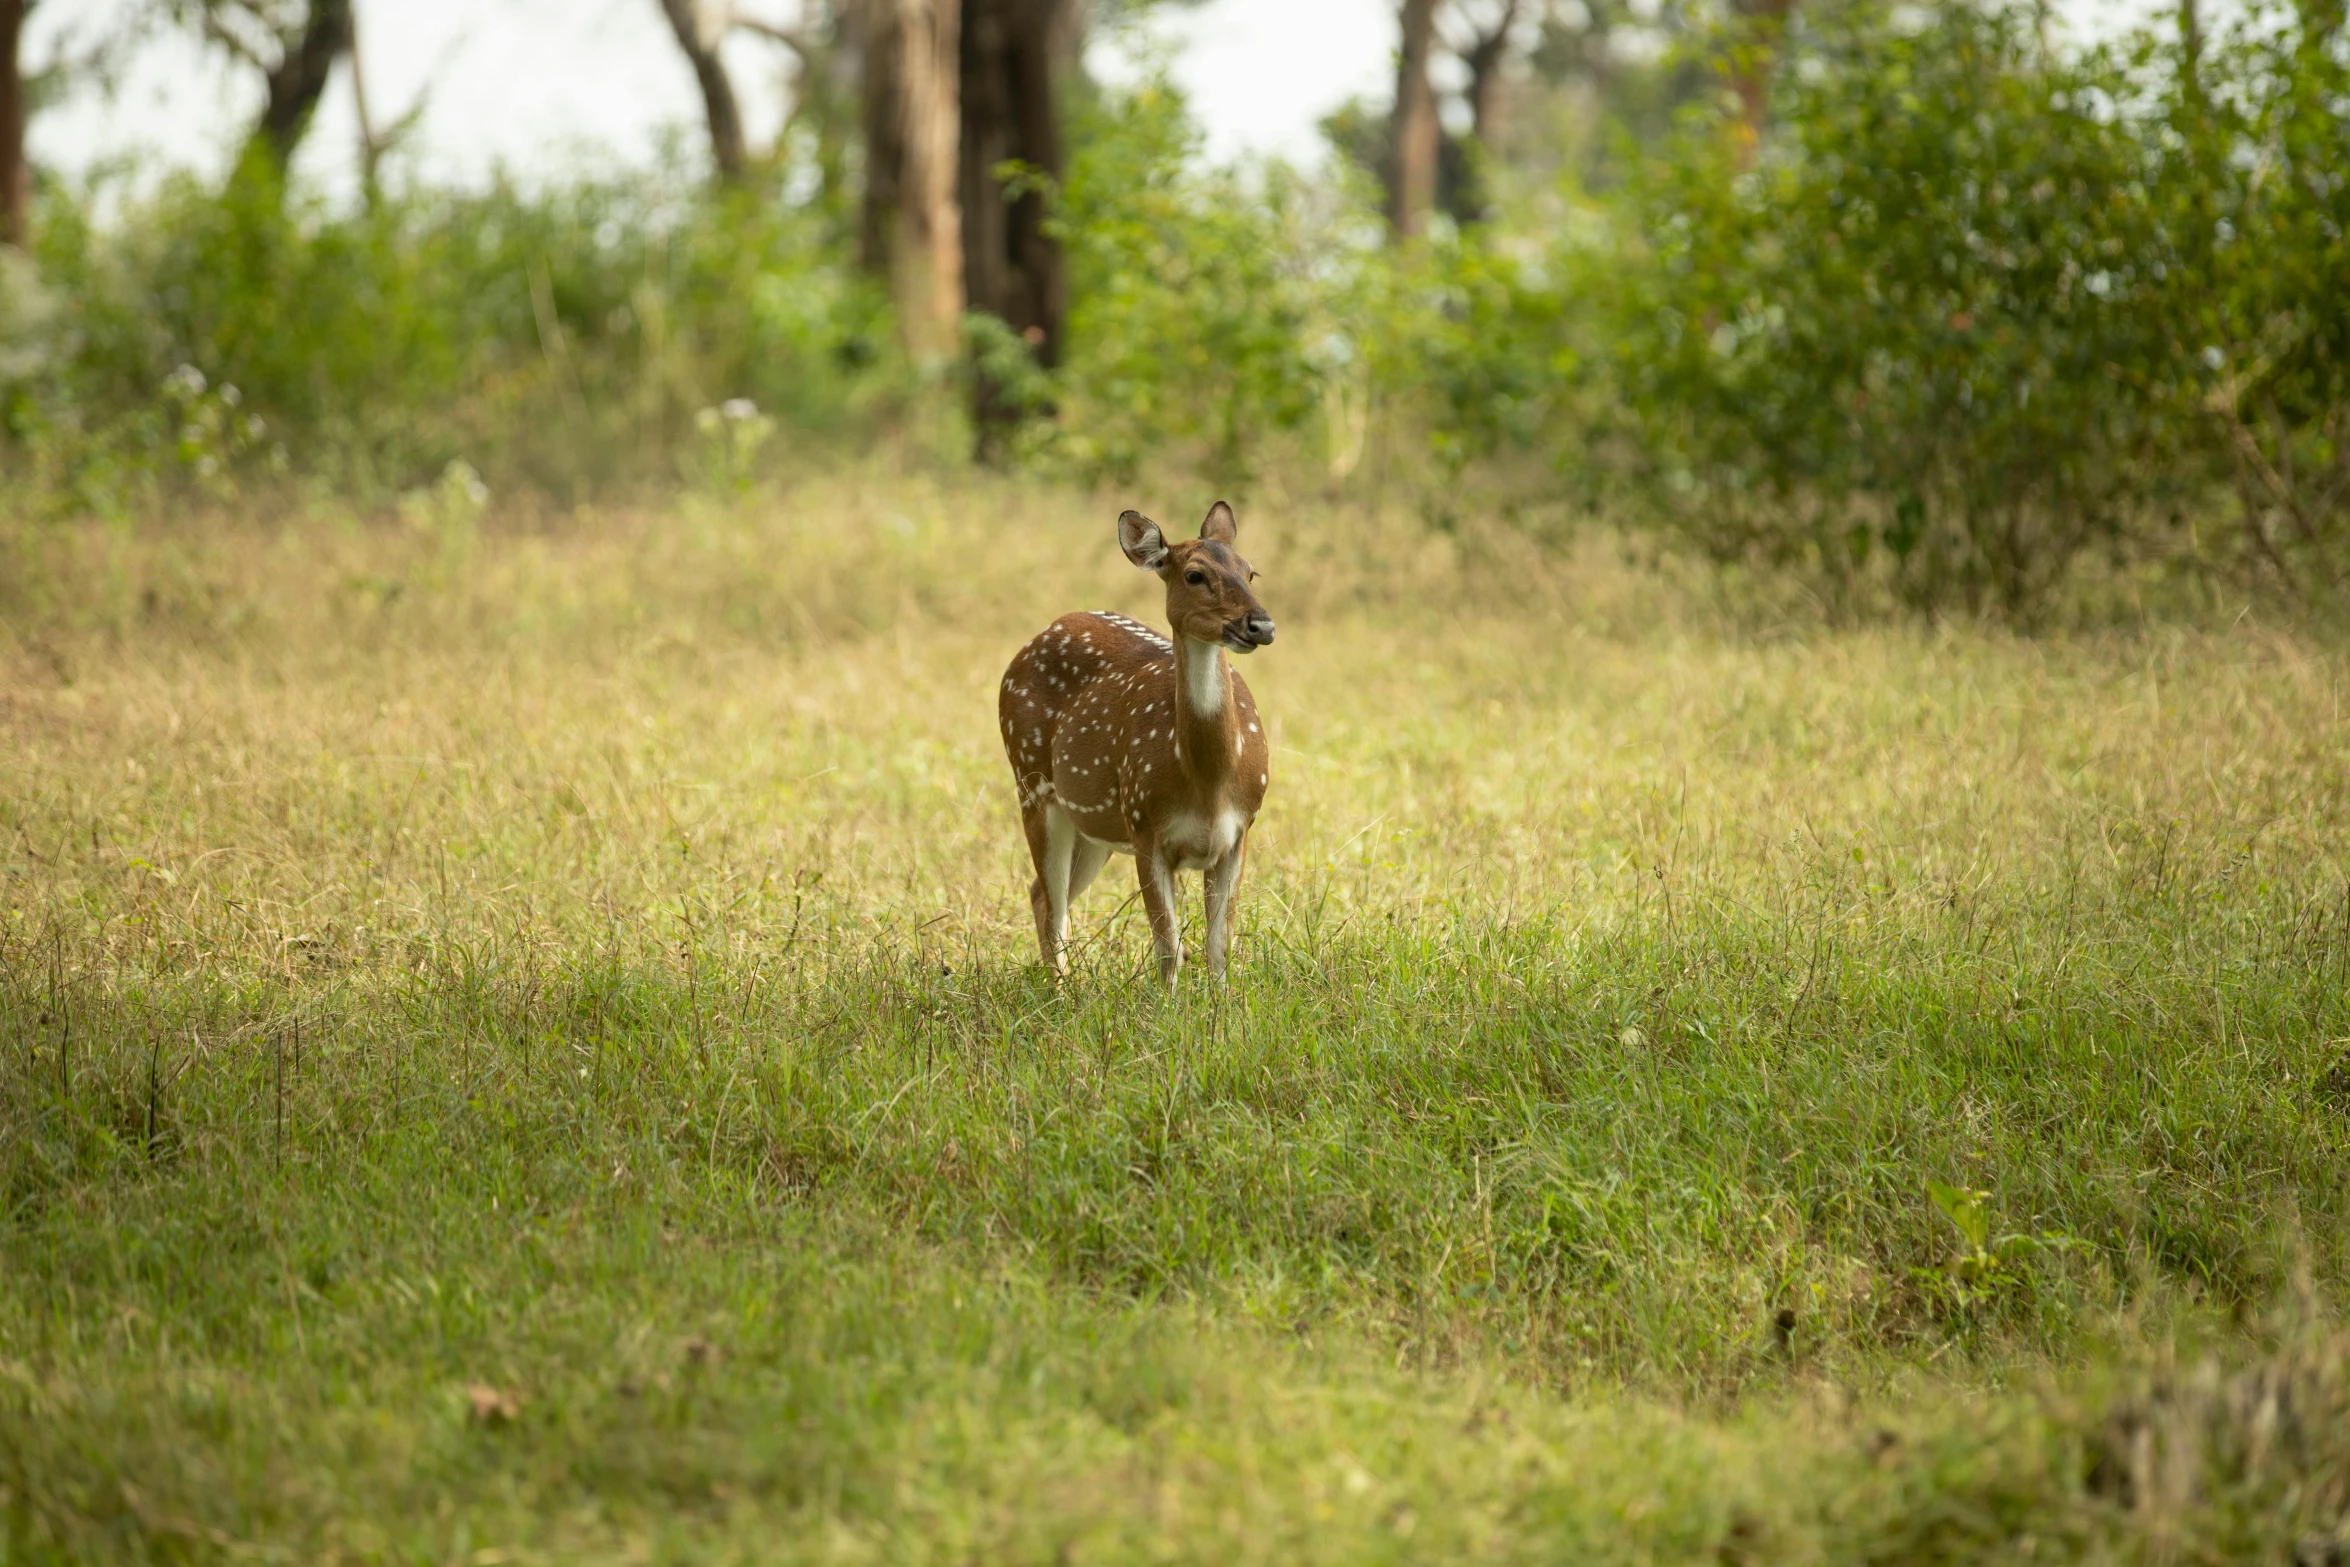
pixel 1922 306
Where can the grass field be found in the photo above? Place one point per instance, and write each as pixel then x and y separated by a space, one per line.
pixel 520 1040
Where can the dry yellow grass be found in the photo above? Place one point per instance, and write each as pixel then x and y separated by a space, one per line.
pixel 246 736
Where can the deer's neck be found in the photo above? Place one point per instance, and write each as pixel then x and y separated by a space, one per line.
pixel 1205 721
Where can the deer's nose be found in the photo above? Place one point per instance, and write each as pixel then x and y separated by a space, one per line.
pixel 1260 627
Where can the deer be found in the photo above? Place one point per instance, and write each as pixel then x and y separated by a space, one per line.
pixel 1124 742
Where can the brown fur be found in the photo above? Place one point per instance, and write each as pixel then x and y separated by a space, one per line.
pixel 1099 722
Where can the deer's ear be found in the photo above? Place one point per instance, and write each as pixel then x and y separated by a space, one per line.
pixel 1140 538
pixel 1221 527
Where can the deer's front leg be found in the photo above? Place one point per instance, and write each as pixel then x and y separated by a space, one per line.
pixel 1223 880
pixel 1158 901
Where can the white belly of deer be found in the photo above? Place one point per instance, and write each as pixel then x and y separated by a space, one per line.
pixel 1193 843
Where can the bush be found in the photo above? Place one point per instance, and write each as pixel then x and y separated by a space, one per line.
pixel 1202 302
pixel 1979 306
pixel 1888 339
pixel 565 340
pixel 2252 161
pixel 1239 320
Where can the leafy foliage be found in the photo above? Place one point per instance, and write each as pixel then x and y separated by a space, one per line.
pixel 564 340
pixel 1988 1266
pixel 1980 306
pixel 1195 300
pixel 2249 159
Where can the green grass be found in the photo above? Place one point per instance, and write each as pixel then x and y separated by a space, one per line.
pixel 584 962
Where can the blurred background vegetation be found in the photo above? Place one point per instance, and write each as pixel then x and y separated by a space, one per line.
pixel 1920 307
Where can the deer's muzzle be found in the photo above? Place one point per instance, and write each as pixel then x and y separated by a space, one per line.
pixel 1252 631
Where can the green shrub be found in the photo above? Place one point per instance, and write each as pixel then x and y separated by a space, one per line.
pixel 1197 305
pixel 2250 158
pixel 1980 306
pixel 565 340
pixel 1889 338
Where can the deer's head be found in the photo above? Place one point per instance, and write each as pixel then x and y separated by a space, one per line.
pixel 1208 593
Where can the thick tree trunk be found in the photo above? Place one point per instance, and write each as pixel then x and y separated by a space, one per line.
pixel 699 38
pixel 1011 68
pixel 1411 187
pixel 913 232
pixel 16 184
pixel 300 79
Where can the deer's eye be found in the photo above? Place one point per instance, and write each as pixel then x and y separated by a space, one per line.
pixel 1196 579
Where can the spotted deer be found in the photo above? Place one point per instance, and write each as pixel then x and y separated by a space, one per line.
pixel 1123 742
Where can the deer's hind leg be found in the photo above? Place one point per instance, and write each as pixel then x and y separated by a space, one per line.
pixel 1066 863
pixel 1054 843
pixel 1085 863
pixel 1040 902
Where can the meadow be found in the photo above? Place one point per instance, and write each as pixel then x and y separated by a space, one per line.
pixel 521 1040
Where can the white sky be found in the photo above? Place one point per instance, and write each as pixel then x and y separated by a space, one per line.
pixel 541 86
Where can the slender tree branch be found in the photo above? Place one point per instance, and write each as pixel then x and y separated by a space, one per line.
pixel 797 39
pixel 218 31
pixel 728 146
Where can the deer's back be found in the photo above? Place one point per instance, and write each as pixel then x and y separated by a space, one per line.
pixel 1055 676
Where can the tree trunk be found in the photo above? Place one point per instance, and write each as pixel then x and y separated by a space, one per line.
pixel 1753 52
pixel 827 102
pixel 883 156
pixel 1487 57
pixel 913 231
pixel 300 79
pixel 1411 187
pixel 699 39
pixel 1012 52
pixel 16 185
pixel 371 147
